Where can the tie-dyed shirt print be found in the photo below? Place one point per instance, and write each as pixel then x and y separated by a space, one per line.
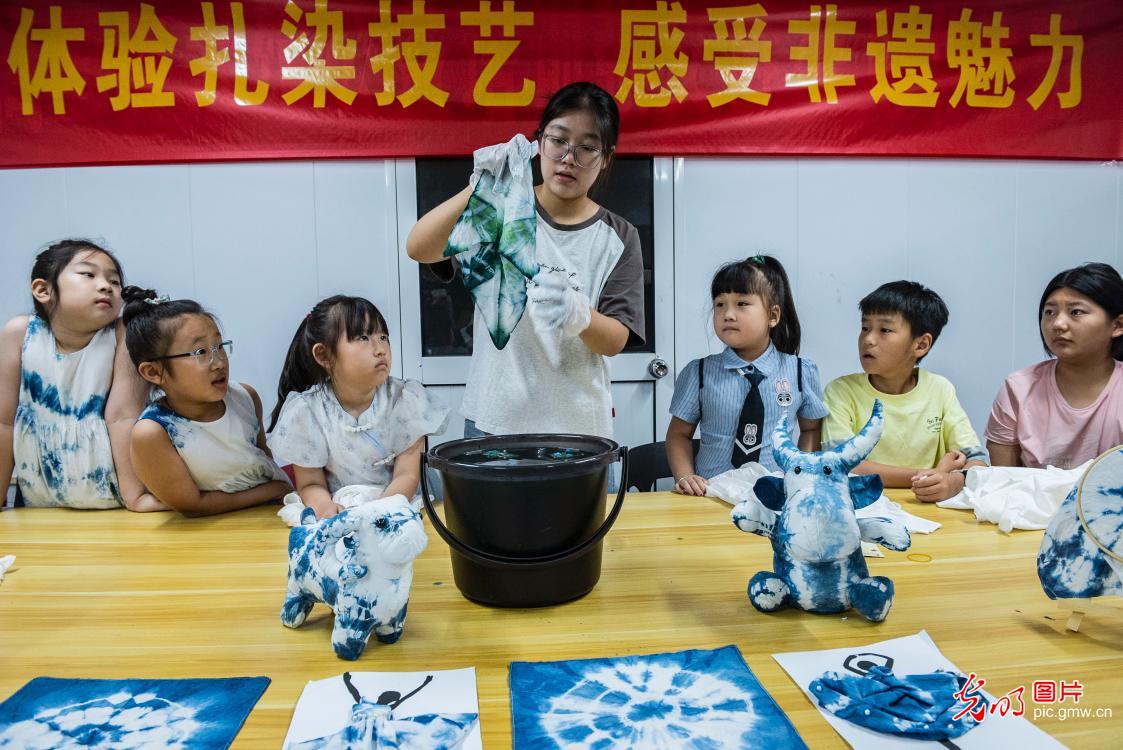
pixel 493 240
pixel 60 443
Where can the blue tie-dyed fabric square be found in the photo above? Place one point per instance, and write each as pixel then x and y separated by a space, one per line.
pixel 698 699
pixel 49 713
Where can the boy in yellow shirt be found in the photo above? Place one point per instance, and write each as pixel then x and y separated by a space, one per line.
pixel 928 443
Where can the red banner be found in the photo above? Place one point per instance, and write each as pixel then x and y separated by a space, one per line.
pixel 112 81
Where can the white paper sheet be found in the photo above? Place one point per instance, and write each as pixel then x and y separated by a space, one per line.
pixel 914 654
pixel 325 705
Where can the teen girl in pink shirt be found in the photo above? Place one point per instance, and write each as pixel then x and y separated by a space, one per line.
pixel 1068 409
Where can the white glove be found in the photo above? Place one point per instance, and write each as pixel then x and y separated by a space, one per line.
pixel 493 159
pixel 555 304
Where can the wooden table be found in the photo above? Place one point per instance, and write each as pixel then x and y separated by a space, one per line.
pixel 113 594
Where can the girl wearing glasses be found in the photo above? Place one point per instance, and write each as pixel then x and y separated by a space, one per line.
pixel 68 394
pixel 586 300
pixel 348 428
pixel 199 446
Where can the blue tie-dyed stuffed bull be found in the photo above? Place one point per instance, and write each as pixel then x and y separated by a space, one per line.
pixel 816 538
pixel 359 563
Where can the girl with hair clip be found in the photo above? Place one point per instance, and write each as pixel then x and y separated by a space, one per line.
pixel 737 396
pixel 1067 409
pixel 341 420
pixel 68 393
pixel 199 446
pixel 586 299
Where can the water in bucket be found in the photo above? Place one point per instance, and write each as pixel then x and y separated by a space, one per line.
pixel 527 455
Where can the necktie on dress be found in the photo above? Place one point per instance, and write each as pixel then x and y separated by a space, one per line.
pixel 747 438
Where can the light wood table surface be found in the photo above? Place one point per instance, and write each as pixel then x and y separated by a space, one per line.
pixel 113 594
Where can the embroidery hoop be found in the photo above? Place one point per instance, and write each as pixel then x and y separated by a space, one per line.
pixel 1105 472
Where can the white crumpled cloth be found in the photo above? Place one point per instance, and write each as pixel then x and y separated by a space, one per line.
pixel 736 486
pixel 350 496
pixel 5 563
pixel 1015 497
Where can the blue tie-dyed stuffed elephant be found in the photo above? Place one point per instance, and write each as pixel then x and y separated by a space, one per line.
pixel 359 563
pixel 816 538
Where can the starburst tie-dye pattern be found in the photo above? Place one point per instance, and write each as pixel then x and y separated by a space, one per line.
pixel 702 700
pixel 60 714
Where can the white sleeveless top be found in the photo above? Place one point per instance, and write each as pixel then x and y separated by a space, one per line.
pixel 221 455
pixel 60 442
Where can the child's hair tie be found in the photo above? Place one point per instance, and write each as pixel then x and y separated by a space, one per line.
pixel 758 259
pixel 158 300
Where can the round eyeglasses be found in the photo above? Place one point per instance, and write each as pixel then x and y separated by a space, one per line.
pixel 556 148
pixel 206 355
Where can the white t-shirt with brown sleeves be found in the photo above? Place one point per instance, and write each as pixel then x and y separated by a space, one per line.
pixel 542 381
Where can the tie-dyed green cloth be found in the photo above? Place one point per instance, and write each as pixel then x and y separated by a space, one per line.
pixel 493 240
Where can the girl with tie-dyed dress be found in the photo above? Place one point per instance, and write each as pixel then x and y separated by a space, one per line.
pixel 68 395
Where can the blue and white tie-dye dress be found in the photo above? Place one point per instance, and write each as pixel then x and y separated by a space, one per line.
pixel 314 431
pixel 61 442
pixel 223 454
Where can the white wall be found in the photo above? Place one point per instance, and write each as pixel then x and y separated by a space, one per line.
pixel 256 243
pixel 986 235
pixel 260 243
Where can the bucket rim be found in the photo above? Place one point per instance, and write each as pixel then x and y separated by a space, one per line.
pixel 607 452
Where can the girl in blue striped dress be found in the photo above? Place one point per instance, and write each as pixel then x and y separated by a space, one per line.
pixel 736 397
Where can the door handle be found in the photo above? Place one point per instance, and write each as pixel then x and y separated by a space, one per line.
pixel 658 368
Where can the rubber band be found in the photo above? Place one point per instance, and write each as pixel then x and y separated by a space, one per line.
pixel 919 557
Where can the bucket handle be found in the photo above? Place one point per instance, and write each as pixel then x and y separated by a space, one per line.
pixel 488 558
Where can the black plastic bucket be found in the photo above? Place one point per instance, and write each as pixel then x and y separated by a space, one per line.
pixel 525 535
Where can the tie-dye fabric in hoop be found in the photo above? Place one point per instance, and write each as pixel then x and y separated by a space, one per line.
pixel 63 714
pixel 918 706
pixel 1081 555
pixel 686 699
pixel 493 241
